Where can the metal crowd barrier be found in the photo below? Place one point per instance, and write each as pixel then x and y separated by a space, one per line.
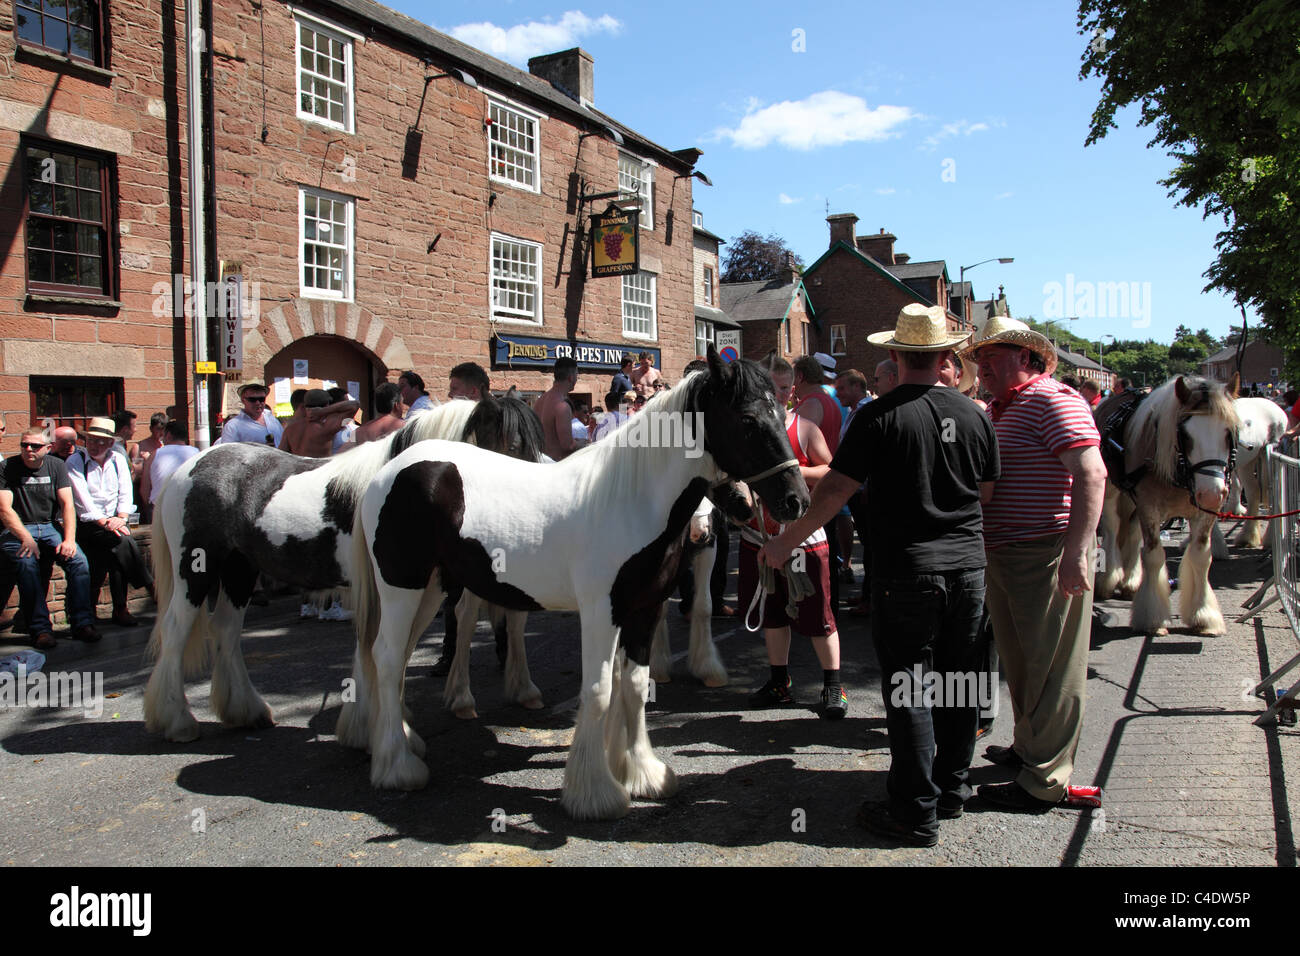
pixel 1284 538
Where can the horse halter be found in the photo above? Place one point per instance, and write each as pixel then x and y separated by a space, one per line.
pixel 1184 473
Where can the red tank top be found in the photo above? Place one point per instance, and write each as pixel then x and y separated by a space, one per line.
pixel 792 432
pixel 830 426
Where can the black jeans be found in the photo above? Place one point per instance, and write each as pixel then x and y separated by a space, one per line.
pixel 117 555
pixel 926 628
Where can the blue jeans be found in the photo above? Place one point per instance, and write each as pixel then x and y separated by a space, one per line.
pixel 28 571
pixel 929 624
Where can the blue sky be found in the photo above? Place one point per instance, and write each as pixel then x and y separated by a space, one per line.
pixel 958 127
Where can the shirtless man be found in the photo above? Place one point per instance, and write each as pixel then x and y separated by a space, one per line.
pixel 391 411
pixel 645 375
pixel 313 435
pixel 553 409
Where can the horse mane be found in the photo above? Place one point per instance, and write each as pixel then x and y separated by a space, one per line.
pixel 510 419
pixel 1153 430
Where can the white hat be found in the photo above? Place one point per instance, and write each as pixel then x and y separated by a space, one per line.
pixel 827 363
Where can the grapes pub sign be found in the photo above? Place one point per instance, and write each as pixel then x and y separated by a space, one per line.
pixel 615 249
pixel 526 351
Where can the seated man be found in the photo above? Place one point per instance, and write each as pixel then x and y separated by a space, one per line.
pixel 101 489
pixel 37 509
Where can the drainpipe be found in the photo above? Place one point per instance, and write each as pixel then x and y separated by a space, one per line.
pixel 195 43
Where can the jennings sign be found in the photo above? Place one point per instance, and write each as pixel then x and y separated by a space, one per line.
pixel 615 247
pixel 523 351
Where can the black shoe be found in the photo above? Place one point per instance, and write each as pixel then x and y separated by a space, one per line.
pixel 1004 757
pixel 948 807
pixel 876 817
pixel 772 694
pixel 1013 797
pixel 442 668
pixel 86 633
pixel 835 703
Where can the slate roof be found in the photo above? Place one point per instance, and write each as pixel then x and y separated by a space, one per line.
pixel 919 270
pixel 959 290
pixel 701 231
pixel 493 74
pixel 1077 360
pixel 762 299
pixel 1225 355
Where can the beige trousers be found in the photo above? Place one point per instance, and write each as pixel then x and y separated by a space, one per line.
pixel 1042 638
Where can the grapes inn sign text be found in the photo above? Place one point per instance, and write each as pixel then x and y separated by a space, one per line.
pixel 525 351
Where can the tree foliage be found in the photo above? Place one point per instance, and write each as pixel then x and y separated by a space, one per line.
pixel 751 256
pixel 1219 83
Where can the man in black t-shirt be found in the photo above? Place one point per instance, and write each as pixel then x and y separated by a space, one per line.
pixel 929 457
pixel 38 514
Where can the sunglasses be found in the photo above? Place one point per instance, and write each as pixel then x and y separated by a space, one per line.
pixel 33 445
pixel 259 398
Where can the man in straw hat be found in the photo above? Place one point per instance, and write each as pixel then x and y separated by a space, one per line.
pixel 1039 530
pixel 929 457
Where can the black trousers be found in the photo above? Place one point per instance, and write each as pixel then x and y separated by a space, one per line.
pixel 118 555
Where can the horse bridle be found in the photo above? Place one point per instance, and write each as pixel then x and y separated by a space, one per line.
pixel 1184 473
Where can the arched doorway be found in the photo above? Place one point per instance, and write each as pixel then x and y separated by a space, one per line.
pixel 323 361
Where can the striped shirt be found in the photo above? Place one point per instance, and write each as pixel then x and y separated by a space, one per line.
pixel 1040 421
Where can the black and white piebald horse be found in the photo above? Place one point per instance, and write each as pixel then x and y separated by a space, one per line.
pixel 240 509
pixel 600 532
pixel 1169 454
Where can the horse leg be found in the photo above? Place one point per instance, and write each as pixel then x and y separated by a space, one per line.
pixel 1129 538
pixel 519 681
pixel 353 728
pixel 1197 605
pixel 1107 581
pixel 590 790
pixel 703 658
pixel 393 763
pixel 1252 532
pixel 456 695
pixel 1150 613
pixel 1218 543
pixel 234 699
pixel 661 652
pixel 637 766
pixel 424 616
pixel 166 711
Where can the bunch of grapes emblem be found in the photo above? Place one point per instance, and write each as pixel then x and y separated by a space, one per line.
pixel 613 244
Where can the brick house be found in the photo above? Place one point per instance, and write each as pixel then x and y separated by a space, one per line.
pixel 709 315
pixel 392 198
pixel 773 314
pixel 859 285
pixel 1263 365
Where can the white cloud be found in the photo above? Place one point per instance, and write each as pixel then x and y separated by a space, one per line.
pixel 785 200
pixel 516 44
pixel 887 191
pixel 959 128
pixel 1004 195
pixel 828 118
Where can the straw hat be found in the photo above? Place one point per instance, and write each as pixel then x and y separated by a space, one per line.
pixel 920 328
pixel 101 428
pixel 1003 330
pixel 969 372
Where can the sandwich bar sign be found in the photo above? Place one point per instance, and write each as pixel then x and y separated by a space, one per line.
pixel 615 249
pixel 526 351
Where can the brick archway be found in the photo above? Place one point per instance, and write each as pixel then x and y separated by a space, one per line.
pixel 299 318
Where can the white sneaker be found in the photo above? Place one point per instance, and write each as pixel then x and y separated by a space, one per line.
pixel 336 612
pixel 308 610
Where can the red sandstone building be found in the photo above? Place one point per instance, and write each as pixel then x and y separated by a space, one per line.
pixel 392 199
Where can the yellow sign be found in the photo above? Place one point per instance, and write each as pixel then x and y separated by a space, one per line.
pixel 205 368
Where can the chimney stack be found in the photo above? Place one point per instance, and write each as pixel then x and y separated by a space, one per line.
pixel 880 247
pixel 785 274
pixel 842 227
pixel 572 72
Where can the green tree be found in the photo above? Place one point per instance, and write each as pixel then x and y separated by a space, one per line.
pixel 1220 86
pixel 751 256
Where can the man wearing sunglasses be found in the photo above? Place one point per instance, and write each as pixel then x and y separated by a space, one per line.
pixel 38 513
pixel 254 423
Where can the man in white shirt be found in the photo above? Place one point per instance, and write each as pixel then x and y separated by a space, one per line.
pixel 614 417
pixel 414 397
pixel 255 422
pixel 174 452
pixel 101 491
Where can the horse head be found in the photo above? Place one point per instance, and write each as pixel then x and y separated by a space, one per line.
pixel 1206 439
pixel 508 426
pixel 744 430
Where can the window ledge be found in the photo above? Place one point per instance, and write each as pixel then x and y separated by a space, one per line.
pixel 57 61
pixel 55 298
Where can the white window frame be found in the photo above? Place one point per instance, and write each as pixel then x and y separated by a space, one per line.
pixel 840 332
pixel 708 285
pixel 347 38
pixel 653 334
pixel 525 114
pixel 697 219
pixel 514 317
pixel 348 293
pixel 646 180
pixel 709 336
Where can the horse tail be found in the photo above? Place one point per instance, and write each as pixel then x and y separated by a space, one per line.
pixel 365 596
pixel 197 654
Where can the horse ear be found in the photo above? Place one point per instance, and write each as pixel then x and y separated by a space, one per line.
pixel 1234 385
pixel 717 368
pixel 1180 389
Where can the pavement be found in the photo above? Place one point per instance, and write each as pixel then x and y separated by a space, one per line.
pixel 1169 733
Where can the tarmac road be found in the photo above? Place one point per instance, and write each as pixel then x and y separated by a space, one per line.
pixel 1189 779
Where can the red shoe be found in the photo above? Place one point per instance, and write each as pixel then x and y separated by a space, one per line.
pixel 44 641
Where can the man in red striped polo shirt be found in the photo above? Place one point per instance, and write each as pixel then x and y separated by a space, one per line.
pixel 1039 531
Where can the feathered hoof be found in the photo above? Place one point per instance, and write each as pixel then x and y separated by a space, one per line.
pixel 180 730
pixel 467 712
pixel 606 801
pixel 258 717
pixel 351 729
pixel 532 701
pixel 1208 623
pixel 417 743
pixel 404 771
pixel 664 676
pixel 650 780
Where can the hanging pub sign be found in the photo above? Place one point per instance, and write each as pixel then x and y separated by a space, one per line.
pixel 527 351
pixel 616 250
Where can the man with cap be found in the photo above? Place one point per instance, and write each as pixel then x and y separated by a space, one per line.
pixel 255 422
pixel 1040 529
pixel 102 491
pixel 929 458
pixel 38 513
pixel 312 436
